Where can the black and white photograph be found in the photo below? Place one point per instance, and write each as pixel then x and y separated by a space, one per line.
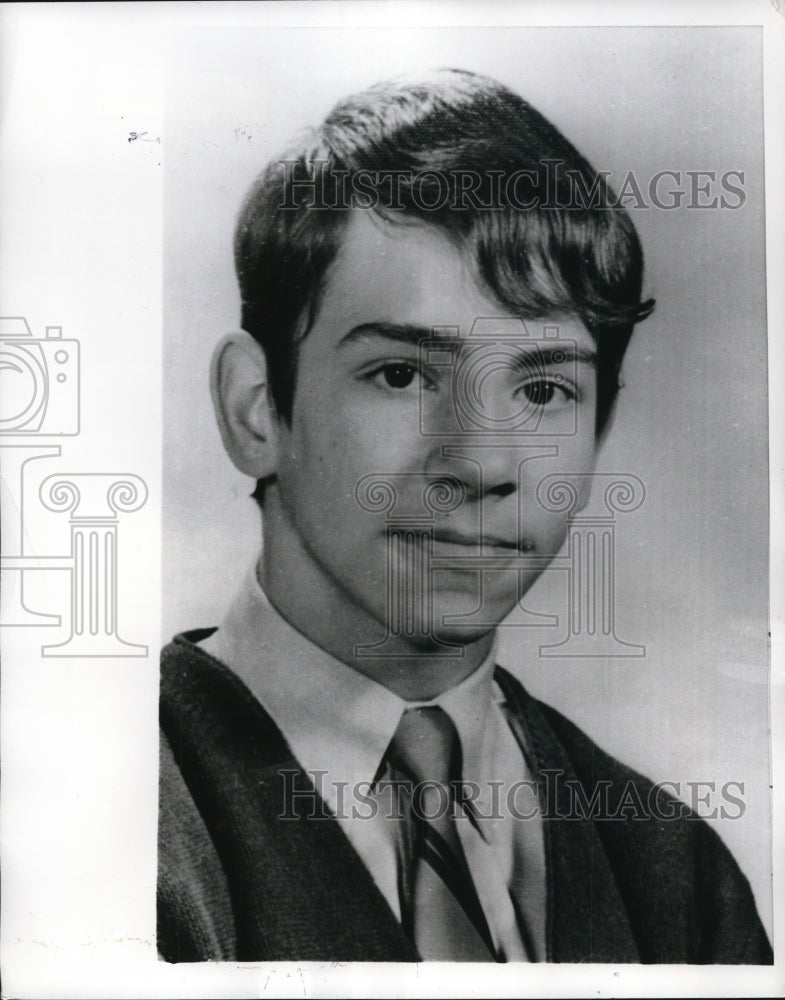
pixel 391 496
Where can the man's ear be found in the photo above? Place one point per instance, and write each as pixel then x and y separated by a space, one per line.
pixel 246 419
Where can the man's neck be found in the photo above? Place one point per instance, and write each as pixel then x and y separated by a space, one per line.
pixel 415 672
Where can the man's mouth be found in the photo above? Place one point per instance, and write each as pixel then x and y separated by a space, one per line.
pixel 444 538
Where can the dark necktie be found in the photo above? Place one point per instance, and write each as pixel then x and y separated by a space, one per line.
pixel 440 909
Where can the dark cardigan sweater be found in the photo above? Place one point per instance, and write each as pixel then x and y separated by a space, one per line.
pixel 237 882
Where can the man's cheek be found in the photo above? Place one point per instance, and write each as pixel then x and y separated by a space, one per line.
pixel 550 534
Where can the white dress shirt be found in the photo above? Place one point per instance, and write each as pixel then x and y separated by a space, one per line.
pixel 339 723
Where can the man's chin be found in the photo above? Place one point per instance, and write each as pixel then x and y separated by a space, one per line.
pixel 460 619
pixel 460 638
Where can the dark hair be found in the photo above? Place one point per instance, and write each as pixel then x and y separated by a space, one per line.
pixel 555 242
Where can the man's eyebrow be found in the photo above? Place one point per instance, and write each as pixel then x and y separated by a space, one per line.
pixel 545 352
pixel 403 333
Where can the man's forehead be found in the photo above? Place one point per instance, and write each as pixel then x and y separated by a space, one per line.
pixel 401 243
pixel 405 274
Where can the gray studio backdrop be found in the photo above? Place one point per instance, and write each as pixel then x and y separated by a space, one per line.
pixel 692 562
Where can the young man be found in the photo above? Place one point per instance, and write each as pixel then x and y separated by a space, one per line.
pixel 438 291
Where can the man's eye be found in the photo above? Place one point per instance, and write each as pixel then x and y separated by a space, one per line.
pixel 542 392
pixel 398 374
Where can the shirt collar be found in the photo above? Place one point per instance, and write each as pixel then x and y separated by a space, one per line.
pixel 337 722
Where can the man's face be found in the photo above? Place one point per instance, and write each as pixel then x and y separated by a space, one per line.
pixel 379 416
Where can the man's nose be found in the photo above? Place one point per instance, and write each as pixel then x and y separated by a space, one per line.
pixel 486 468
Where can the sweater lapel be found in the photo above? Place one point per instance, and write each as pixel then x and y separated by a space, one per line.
pixel 299 890
pixel 586 918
